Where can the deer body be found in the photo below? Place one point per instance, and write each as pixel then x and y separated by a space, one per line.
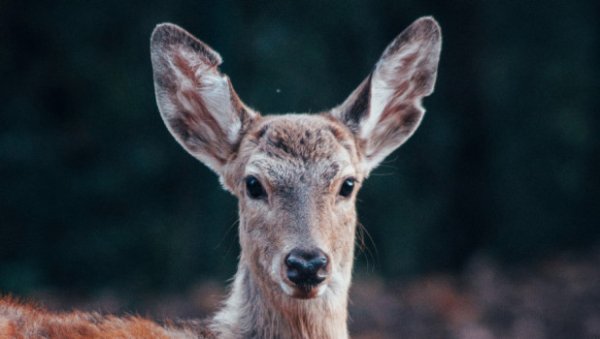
pixel 296 177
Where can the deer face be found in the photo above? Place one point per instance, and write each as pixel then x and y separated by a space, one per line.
pixel 295 176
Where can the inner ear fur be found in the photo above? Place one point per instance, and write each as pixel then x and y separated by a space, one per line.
pixel 197 103
pixel 385 109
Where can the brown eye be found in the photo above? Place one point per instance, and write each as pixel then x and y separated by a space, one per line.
pixel 254 188
pixel 347 187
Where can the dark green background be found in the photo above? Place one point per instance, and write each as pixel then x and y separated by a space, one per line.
pixel 95 193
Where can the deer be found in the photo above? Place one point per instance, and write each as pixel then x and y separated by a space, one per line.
pixel 296 177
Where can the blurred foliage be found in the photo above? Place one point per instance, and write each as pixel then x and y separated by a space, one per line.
pixel 94 192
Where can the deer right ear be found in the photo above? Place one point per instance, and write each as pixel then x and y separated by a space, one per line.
pixel 197 102
pixel 385 110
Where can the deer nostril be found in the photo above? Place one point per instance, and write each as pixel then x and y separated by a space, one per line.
pixel 306 268
pixel 295 262
pixel 319 261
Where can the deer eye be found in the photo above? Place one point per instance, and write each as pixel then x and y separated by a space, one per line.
pixel 347 187
pixel 254 188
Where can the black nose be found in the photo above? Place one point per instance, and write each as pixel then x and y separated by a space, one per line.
pixel 306 268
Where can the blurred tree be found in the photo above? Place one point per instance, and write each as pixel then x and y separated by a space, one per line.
pixel 94 192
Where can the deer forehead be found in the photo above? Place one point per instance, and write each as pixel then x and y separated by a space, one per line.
pixel 301 149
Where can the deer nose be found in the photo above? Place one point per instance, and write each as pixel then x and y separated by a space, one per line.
pixel 306 268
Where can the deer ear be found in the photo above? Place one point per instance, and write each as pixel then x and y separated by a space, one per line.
pixel 197 102
pixel 385 110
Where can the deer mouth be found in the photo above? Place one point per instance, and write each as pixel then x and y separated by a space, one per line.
pixel 305 291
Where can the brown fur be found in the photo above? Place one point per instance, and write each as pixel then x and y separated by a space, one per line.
pixel 20 320
pixel 300 160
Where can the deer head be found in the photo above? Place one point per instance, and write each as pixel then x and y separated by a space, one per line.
pixel 296 176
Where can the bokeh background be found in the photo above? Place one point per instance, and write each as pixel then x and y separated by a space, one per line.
pixel 489 215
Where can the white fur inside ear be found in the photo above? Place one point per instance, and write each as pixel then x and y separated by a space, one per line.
pixel 376 156
pixel 390 72
pixel 213 88
pixel 217 97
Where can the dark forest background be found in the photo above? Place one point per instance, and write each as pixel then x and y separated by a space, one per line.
pixel 95 194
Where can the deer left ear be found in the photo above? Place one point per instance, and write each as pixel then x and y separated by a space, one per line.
pixel 385 110
pixel 197 102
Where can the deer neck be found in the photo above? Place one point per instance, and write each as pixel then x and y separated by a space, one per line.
pixel 257 311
